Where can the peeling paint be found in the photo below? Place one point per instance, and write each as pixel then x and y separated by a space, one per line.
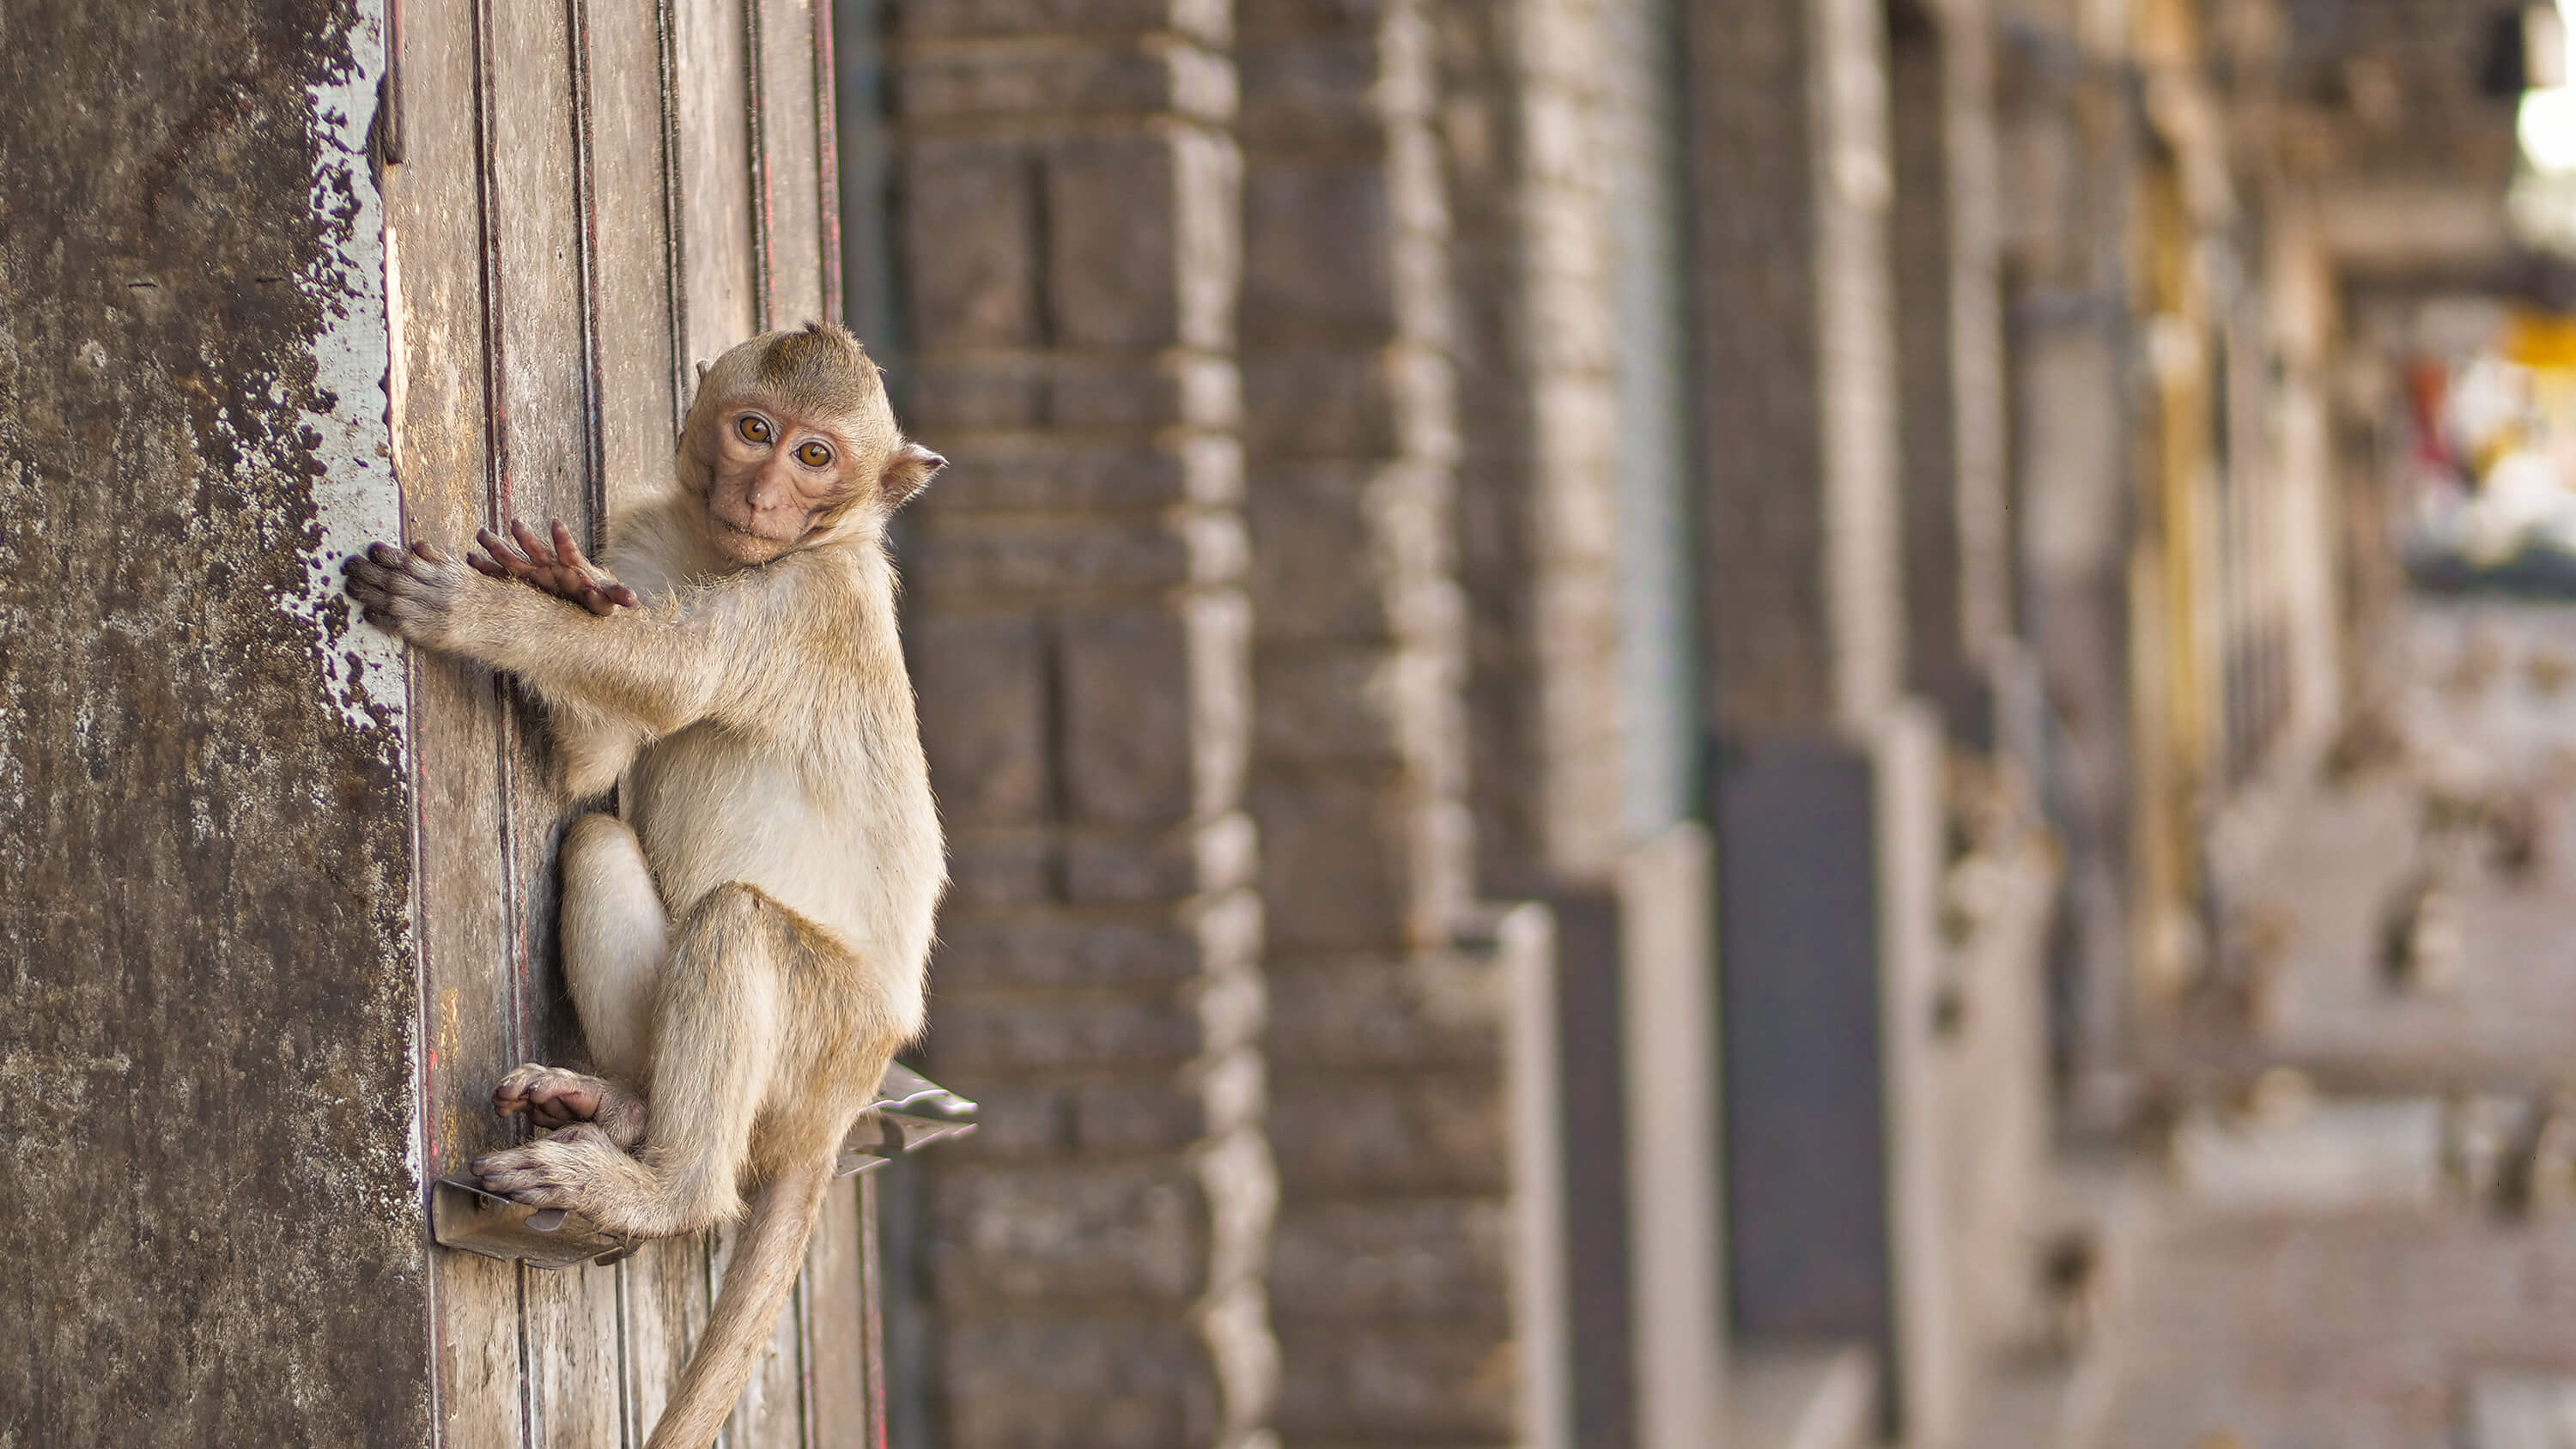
pixel 356 498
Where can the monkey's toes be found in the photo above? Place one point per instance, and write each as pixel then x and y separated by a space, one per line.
pixel 547 1173
pixel 553 1097
pixel 532 1183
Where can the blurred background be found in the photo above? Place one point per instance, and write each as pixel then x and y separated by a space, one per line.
pixel 1769 722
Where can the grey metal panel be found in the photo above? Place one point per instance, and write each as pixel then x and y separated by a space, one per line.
pixel 1598 1267
pixel 1806 1149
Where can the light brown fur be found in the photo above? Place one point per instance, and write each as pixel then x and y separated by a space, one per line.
pixel 745 946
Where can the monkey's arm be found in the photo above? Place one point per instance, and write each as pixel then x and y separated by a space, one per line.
pixel 663 666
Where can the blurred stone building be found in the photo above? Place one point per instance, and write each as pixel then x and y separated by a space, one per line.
pixel 1586 659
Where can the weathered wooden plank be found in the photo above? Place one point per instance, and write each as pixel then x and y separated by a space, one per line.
pixel 836 1394
pixel 666 1306
pixel 770 1414
pixel 714 128
pixel 441 457
pixel 789 176
pixel 537 183
pixel 634 330
pixel 633 322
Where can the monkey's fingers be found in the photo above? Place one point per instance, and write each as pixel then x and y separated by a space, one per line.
pixel 605 599
pixel 500 551
pixel 567 551
pixel 537 549
pixel 379 573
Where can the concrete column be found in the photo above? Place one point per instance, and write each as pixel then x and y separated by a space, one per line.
pixel 209 912
pixel 1414 1281
pixel 1081 640
pixel 1824 782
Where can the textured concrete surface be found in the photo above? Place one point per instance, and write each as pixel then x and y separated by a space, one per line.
pixel 208 1227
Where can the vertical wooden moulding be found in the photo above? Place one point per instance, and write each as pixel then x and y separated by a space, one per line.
pixel 771 1412
pixel 791 205
pixel 827 162
pixel 711 77
pixel 840 1411
pixel 539 248
pixel 634 321
pixel 441 455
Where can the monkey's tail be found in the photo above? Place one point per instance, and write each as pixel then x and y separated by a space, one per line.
pixel 757 1283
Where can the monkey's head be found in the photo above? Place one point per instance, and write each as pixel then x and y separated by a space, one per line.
pixel 791 443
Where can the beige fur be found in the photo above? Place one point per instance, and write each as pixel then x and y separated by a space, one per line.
pixel 745 947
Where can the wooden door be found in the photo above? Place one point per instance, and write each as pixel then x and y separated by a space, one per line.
pixel 583 198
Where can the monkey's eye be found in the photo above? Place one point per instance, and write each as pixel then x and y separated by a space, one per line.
pixel 753 427
pixel 814 455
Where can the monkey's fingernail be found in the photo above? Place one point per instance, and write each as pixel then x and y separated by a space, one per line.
pixel 385 553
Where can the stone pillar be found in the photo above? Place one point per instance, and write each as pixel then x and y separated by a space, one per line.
pixel 1824 782
pixel 1950 380
pixel 1413 1279
pixel 1081 642
pixel 1556 121
pixel 2066 178
pixel 1538 495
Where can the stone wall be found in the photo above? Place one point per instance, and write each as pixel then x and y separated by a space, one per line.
pixel 1396 1280
pixel 1081 642
pixel 1531 257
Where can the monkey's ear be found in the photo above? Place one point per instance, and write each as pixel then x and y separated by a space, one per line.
pixel 702 372
pixel 908 472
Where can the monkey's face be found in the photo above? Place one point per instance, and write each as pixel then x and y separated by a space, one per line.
pixel 771 473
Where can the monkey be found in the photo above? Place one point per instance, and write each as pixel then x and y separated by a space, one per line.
pixel 745 944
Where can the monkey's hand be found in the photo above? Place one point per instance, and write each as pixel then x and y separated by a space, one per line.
pixel 556 568
pixel 415 594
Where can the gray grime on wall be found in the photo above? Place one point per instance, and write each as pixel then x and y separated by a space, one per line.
pixel 208 1202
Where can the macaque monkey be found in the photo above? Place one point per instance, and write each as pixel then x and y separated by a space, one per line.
pixel 745 946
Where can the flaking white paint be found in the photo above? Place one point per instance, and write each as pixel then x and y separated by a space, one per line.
pixel 356 499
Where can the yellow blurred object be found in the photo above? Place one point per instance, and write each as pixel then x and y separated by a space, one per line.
pixel 2542 341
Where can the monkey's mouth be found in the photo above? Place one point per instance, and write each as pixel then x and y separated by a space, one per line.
pixel 734 535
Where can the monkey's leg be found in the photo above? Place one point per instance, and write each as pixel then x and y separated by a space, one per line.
pixel 613 932
pixel 718 1036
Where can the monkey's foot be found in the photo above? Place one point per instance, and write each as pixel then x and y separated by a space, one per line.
pixel 576 1167
pixel 553 1097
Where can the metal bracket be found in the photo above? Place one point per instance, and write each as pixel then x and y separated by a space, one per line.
pixel 911 1111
